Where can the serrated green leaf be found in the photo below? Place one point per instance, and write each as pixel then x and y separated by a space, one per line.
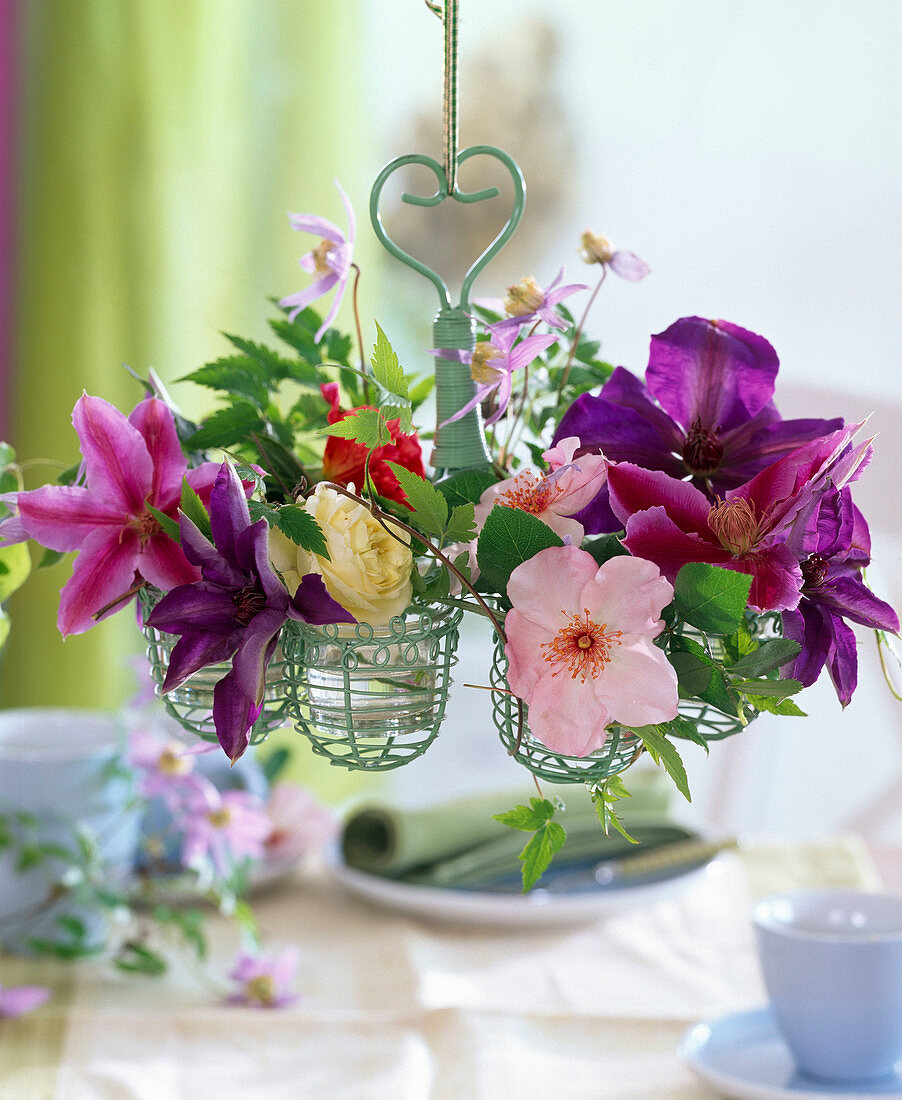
pixel 540 850
pixel 663 751
pixel 466 487
pixel 604 548
pixel 366 426
pixel 700 675
pixel 167 523
pixel 299 336
pixel 338 346
pixel 238 375
pixel 604 796
pixel 527 818
pixel 686 730
pixel 776 706
pixel 430 509
pixel 298 525
pixel 192 506
pixel 768 656
pixel 386 366
pixel 420 390
pixel 773 689
pixel 274 367
pixel 508 538
pixel 462 524
pixel 711 598
pixel 226 427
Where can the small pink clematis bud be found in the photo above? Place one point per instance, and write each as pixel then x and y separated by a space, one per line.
pixel 524 298
pixel 596 248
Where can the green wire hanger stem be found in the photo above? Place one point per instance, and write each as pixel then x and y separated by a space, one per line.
pixel 459 445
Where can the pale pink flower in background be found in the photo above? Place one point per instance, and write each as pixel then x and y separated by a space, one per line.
pixel 596 248
pixel 331 260
pixel 222 828
pixel 265 980
pixel 553 497
pixel 163 764
pixel 526 302
pixel 580 647
pixel 300 824
pixel 17 1000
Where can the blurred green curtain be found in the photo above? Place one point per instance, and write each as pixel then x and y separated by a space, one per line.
pixel 162 143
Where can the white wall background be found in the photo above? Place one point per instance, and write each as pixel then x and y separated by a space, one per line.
pixel 751 152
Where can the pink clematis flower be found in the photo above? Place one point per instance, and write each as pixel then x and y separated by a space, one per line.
pixel 595 248
pixel 492 363
pixel 331 260
pixel 527 302
pixel 265 980
pixel 553 497
pixel 17 1000
pixel 130 463
pixel 580 649
pixel 671 522
pixel 222 828
pixel 300 824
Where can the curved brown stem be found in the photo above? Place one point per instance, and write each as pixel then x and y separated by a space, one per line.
pixel 366 381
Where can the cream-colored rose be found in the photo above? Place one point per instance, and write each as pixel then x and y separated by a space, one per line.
pixel 369 570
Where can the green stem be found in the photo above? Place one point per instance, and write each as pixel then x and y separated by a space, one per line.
pixel 579 332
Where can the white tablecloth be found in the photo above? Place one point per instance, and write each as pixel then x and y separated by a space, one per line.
pixel 397 1008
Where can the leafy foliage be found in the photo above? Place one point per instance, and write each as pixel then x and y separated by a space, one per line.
pixel 547 840
pixel 510 537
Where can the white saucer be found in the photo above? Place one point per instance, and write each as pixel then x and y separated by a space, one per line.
pixel 743 1056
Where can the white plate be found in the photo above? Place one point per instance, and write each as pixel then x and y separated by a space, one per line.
pixel 540 908
pixel 743 1056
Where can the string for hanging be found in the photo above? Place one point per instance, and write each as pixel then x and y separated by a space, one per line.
pixel 448 13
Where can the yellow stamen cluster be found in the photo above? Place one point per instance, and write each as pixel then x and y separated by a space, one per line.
pixel 172 760
pixel 481 369
pixel 523 298
pixel 220 818
pixel 596 248
pixel 530 494
pixel 261 989
pixel 321 263
pixel 582 647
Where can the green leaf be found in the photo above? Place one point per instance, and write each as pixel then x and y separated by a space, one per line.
pixel 274 764
pixel 663 752
pixel 135 958
pixel 279 463
pixel 776 706
pixel 774 689
pixel 386 367
pixel 700 675
pixel 273 366
pixel 299 335
pixel 430 509
pixel 508 538
pixel 298 525
pixel 462 524
pixel 773 654
pixel 167 523
pixel 604 796
pixel 527 818
pixel 711 598
pixel 366 426
pixel 604 548
pixel 540 850
pixel 466 487
pixel 16 566
pixel 687 730
pixel 192 506
pixel 237 375
pixel 226 427
pixel 50 558
pixel 420 390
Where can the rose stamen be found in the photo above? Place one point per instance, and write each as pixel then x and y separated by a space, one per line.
pixel 582 647
pixel 530 494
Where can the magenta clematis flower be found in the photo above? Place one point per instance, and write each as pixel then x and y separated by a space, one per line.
pixel 492 363
pixel 266 980
pixel 222 828
pixel 526 303
pixel 330 260
pixel 553 497
pixel 705 411
pixel 580 647
pixel 671 522
pixel 833 547
pixel 18 1000
pixel 235 611
pixel 129 463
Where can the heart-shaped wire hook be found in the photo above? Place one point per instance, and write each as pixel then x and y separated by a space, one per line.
pixel 458 195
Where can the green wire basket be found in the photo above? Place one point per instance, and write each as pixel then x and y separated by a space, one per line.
pixel 371 698
pixel 192 704
pixel 619 750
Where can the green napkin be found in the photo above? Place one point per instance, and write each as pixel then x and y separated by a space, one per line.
pixel 390 840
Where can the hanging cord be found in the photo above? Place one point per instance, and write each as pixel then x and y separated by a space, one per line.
pixel 447 12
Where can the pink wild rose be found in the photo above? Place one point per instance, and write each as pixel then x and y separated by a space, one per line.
pixel 580 649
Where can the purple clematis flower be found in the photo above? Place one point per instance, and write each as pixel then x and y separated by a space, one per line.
pixel 526 303
pixel 18 1000
pixel 705 412
pixel 331 260
pixel 493 362
pixel 671 522
pixel 266 980
pixel 832 547
pixel 235 611
pixel 129 463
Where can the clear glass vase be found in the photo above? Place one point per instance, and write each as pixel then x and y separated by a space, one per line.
pixel 371 697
